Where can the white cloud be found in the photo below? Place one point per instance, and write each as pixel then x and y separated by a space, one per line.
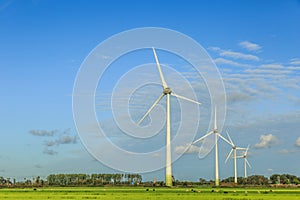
pixel 50 143
pixel 66 139
pixel 268 71
pixel 238 55
pixel 43 132
pixel 288 151
pixel 297 143
pixel 295 68
pixel 250 46
pixel 215 49
pixel 295 61
pixel 280 68
pixel 272 66
pixel 49 152
pixel 156 155
pixel 233 54
pixel 188 148
pixel 105 57
pixel 238 97
pixel 266 141
pixel 223 61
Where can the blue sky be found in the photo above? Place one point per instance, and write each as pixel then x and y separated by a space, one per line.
pixel 255 45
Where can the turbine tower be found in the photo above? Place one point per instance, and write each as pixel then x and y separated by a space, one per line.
pixel 166 92
pixel 234 149
pixel 244 156
pixel 217 135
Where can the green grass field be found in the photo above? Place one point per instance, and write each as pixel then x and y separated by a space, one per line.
pixel 141 193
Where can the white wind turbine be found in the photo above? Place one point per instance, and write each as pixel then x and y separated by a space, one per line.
pixel 166 92
pixel 233 150
pixel 245 154
pixel 217 135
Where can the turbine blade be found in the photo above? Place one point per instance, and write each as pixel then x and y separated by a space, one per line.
pixel 159 70
pixel 215 119
pixel 150 109
pixel 224 139
pixel 247 150
pixel 229 138
pixel 229 155
pixel 203 137
pixel 248 163
pixel 185 98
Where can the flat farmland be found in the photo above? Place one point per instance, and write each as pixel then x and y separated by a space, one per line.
pixel 148 193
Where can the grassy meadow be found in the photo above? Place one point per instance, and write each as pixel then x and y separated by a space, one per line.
pixel 147 193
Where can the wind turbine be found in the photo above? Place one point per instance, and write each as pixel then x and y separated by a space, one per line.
pixel 234 149
pixel 166 92
pixel 245 161
pixel 217 135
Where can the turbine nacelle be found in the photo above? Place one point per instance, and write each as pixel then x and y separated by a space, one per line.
pixel 167 90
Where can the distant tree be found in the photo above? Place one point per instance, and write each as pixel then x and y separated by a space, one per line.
pixel 202 181
pixel 256 180
pixel 275 179
pixel 37 180
pixel 289 179
pixel 228 180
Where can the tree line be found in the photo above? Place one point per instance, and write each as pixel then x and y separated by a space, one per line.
pixel 250 180
pixel 254 180
pixel 284 179
pixel 278 179
pixel 136 179
pixel 93 179
pixel 76 180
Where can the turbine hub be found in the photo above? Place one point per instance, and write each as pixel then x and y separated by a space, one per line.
pixel 167 90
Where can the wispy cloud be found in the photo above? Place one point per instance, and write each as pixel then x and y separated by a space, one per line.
pixel 224 61
pixel 270 170
pixel 266 141
pixel 214 49
pixel 268 71
pixel 238 97
pixel 50 143
pixel 38 166
pixel 295 61
pixel 5 4
pixel 62 140
pixel 233 54
pixel 66 139
pixel 43 132
pixel 49 152
pixel 272 66
pixel 288 151
pixel 58 137
pixel 297 143
pixel 188 149
pixel 238 55
pixel 250 46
